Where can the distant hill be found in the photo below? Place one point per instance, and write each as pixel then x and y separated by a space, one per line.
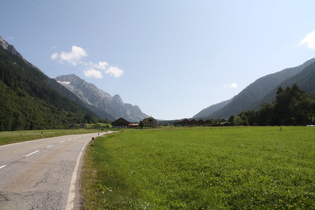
pixel 305 80
pixel 253 95
pixel 211 109
pixel 28 100
pixel 113 106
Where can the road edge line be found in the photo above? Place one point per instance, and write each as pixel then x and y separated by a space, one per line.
pixel 71 196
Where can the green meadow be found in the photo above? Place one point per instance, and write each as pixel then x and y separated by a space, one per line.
pixel 202 168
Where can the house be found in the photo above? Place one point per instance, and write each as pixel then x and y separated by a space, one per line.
pixel 208 122
pixel 133 125
pixel 149 122
pixel 184 122
pixel 120 123
pixel 193 122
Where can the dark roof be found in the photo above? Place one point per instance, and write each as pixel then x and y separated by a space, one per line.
pixel 150 119
pixel 120 122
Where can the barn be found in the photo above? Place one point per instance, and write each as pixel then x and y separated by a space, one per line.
pixel 120 123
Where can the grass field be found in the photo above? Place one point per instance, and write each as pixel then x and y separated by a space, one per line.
pixel 202 168
pixel 8 137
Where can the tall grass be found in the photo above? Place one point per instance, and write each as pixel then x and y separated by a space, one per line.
pixel 202 168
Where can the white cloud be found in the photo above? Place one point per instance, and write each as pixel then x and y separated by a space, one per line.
pixel 73 57
pixel 93 73
pixel 54 56
pixel 91 69
pixel 309 40
pixel 101 65
pixel 114 71
pixel 232 85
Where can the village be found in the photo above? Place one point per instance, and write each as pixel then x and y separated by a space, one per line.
pixel 150 122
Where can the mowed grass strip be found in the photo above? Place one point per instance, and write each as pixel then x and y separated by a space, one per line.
pixel 202 168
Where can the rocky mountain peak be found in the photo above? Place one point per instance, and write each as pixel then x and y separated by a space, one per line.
pixel 10 48
pixel 117 99
pixel 3 43
pixel 89 93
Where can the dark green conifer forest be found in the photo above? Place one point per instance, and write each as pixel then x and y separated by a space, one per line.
pixel 292 106
pixel 28 102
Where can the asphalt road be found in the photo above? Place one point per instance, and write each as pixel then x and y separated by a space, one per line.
pixel 42 174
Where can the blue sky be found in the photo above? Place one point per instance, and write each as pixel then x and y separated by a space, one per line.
pixel 171 58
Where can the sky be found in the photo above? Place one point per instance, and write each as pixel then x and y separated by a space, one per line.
pixel 172 58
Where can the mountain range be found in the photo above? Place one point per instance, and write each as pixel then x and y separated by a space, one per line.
pixel 112 106
pixel 263 90
pixel 29 99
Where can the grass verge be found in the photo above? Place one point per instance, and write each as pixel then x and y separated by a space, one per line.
pixel 202 168
pixel 9 137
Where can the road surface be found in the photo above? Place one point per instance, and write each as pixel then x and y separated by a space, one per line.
pixel 42 174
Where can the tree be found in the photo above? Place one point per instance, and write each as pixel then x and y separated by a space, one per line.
pixel 141 124
pixel 237 120
pixel 88 117
pixel 249 117
pixel 292 107
pixel 231 120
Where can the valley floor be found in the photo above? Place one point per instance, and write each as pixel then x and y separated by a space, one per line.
pixel 202 168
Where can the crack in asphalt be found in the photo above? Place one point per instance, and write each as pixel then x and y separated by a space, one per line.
pixel 3 198
pixel 44 185
pixel 44 200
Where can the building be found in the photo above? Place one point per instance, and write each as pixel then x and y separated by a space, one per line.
pixel 150 122
pixel 133 125
pixel 120 123
pixel 193 122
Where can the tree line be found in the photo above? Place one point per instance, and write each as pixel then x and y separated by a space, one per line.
pixel 292 106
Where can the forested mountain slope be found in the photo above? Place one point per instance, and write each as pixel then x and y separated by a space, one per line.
pixel 253 94
pixel 27 100
pixel 304 80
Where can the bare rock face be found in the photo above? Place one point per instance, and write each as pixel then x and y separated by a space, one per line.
pixel 5 45
pixel 11 49
pixel 92 95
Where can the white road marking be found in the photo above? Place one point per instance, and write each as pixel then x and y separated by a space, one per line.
pixel 49 146
pixel 3 166
pixel 32 153
pixel 70 202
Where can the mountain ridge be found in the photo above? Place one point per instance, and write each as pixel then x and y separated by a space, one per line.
pixel 304 80
pixel 249 97
pixel 101 100
pixel 11 49
pixel 28 99
pixel 211 109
